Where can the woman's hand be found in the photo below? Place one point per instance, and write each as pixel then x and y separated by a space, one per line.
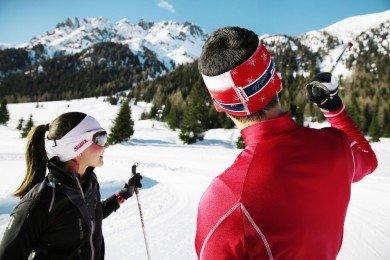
pixel 132 183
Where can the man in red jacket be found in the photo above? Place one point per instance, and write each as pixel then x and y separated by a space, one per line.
pixel 287 193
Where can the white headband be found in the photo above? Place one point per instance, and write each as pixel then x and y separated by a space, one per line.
pixel 75 141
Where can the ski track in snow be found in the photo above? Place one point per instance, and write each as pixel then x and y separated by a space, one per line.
pixel 175 177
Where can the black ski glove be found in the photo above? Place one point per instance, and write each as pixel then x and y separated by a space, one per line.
pixel 132 183
pixel 323 91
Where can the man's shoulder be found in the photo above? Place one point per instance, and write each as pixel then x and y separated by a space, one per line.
pixel 332 132
pixel 218 190
pixel 226 189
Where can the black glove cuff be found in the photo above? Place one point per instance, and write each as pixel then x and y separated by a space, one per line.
pixel 125 192
pixel 332 103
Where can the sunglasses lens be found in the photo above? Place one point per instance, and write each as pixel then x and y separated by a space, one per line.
pixel 100 139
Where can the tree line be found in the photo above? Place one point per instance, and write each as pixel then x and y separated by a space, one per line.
pixel 180 98
pixel 103 69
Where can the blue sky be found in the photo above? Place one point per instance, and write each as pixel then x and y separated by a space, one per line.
pixel 20 20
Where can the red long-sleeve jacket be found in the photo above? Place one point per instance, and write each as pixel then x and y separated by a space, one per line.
pixel 286 194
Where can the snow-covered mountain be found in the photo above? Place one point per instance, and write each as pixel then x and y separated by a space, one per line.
pixel 327 43
pixel 171 41
pixel 179 43
pixel 158 47
pixel 350 28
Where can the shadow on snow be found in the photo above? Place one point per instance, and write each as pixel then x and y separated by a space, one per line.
pixel 106 189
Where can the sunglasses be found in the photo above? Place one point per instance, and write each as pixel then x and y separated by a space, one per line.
pixel 100 138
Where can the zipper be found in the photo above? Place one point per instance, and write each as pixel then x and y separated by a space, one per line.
pixel 92 222
pixel 81 189
pixel 81 235
pixel 91 240
pixel 53 195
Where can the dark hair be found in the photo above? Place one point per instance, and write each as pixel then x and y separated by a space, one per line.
pixel 36 156
pixel 225 49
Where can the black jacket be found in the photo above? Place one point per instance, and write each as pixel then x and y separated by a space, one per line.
pixel 60 218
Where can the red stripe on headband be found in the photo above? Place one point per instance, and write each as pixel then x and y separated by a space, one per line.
pixel 227 96
pixel 247 72
pixel 230 89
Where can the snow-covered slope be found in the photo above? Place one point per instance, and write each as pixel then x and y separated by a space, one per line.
pixel 328 42
pixel 349 28
pixel 176 175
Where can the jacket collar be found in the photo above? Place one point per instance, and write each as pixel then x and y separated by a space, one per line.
pixel 267 129
pixel 57 171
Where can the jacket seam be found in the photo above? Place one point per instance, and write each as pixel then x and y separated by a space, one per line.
pixel 247 172
pixel 353 159
pixel 258 231
pixel 214 228
pixel 243 229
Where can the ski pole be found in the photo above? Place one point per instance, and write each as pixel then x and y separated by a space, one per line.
pixel 348 45
pixel 136 191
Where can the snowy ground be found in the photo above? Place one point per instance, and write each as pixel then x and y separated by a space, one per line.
pixel 175 177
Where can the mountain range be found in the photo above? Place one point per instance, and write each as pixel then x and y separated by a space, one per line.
pixel 155 48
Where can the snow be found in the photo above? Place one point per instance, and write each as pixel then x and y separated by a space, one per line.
pixel 331 58
pixel 349 28
pixel 176 175
pixel 168 39
pixel 352 30
pixel 182 42
pixel 315 40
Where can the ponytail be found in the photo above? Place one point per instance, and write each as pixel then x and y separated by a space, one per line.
pixel 36 159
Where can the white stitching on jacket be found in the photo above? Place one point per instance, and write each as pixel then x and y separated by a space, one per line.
pixel 353 160
pixel 262 236
pixel 221 219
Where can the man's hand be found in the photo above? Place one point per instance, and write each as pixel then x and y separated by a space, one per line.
pixel 323 91
pixel 132 183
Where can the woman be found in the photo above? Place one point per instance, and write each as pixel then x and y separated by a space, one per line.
pixel 60 214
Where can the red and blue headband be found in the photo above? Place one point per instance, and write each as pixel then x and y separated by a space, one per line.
pixel 246 88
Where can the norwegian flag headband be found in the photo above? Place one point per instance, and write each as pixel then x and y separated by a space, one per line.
pixel 246 88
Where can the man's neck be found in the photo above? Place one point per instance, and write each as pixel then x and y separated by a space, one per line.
pixel 271 114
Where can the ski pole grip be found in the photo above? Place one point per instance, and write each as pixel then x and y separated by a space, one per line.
pixel 134 171
pixel 134 168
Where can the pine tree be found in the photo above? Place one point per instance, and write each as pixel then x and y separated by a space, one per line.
pixel 366 119
pixel 176 111
pixel 20 124
pixel 123 125
pixel 113 100
pixel 153 112
pixel 192 127
pixel 27 127
pixel 174 117
pixel 354 111
pixel 386 128
pixel 240 143
pixel 374 130
pixel 297 113
pixel 4 114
